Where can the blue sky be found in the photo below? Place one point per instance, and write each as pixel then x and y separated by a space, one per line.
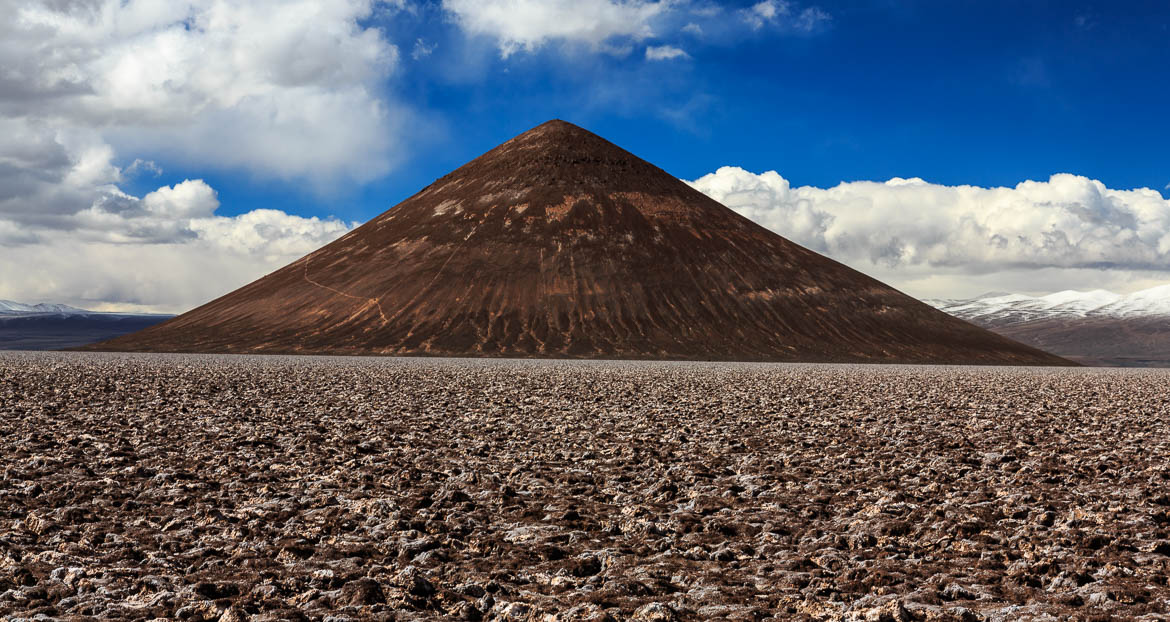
pixel 338 111
pixel 984 93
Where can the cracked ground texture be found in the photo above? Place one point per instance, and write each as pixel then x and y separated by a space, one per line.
pixel 138 487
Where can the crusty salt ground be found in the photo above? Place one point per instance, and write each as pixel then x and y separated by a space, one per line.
pixel 233 488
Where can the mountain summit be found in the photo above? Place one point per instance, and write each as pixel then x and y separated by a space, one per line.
pixel 558 243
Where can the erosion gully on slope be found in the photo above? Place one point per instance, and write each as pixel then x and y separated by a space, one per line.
pixel 226 488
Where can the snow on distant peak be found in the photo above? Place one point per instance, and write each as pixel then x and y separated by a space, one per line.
pixel 1003 299
pixel 998 308
pixel 1075 302
pixel 1146 303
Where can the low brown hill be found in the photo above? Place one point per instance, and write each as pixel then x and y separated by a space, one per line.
pixel 558 243
pixel 1109 341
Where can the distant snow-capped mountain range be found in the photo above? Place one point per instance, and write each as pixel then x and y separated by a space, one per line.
pixel 1095 327
pixel 51 326
pixel 999 309
pixel 8 306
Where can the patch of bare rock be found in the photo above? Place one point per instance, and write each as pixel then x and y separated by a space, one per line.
pixel 217 488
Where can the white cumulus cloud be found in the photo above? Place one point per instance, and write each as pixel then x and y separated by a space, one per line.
pixel 528 24
pixel 765 11
pixel 167 251
pixel 911 232
pixel 617 26
pixel 783 13
pixel 664 52
pixel 280 89
pixel 283 89
pixel 69 233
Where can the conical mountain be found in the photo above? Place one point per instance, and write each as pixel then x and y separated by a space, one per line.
pixel 558 243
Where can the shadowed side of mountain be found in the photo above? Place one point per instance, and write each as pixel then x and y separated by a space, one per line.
pixel 558 243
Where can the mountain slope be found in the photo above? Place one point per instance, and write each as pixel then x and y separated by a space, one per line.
pixel 1096 327
pixel 558 243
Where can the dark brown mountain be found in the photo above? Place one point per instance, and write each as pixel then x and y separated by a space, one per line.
pixel 558 243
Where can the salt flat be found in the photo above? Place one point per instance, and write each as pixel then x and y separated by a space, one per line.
pixel 233 487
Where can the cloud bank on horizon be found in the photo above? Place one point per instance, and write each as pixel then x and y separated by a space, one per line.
pixel 99 99
pixel 913 232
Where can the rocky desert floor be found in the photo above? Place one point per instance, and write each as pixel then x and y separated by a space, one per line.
pixel 138 487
